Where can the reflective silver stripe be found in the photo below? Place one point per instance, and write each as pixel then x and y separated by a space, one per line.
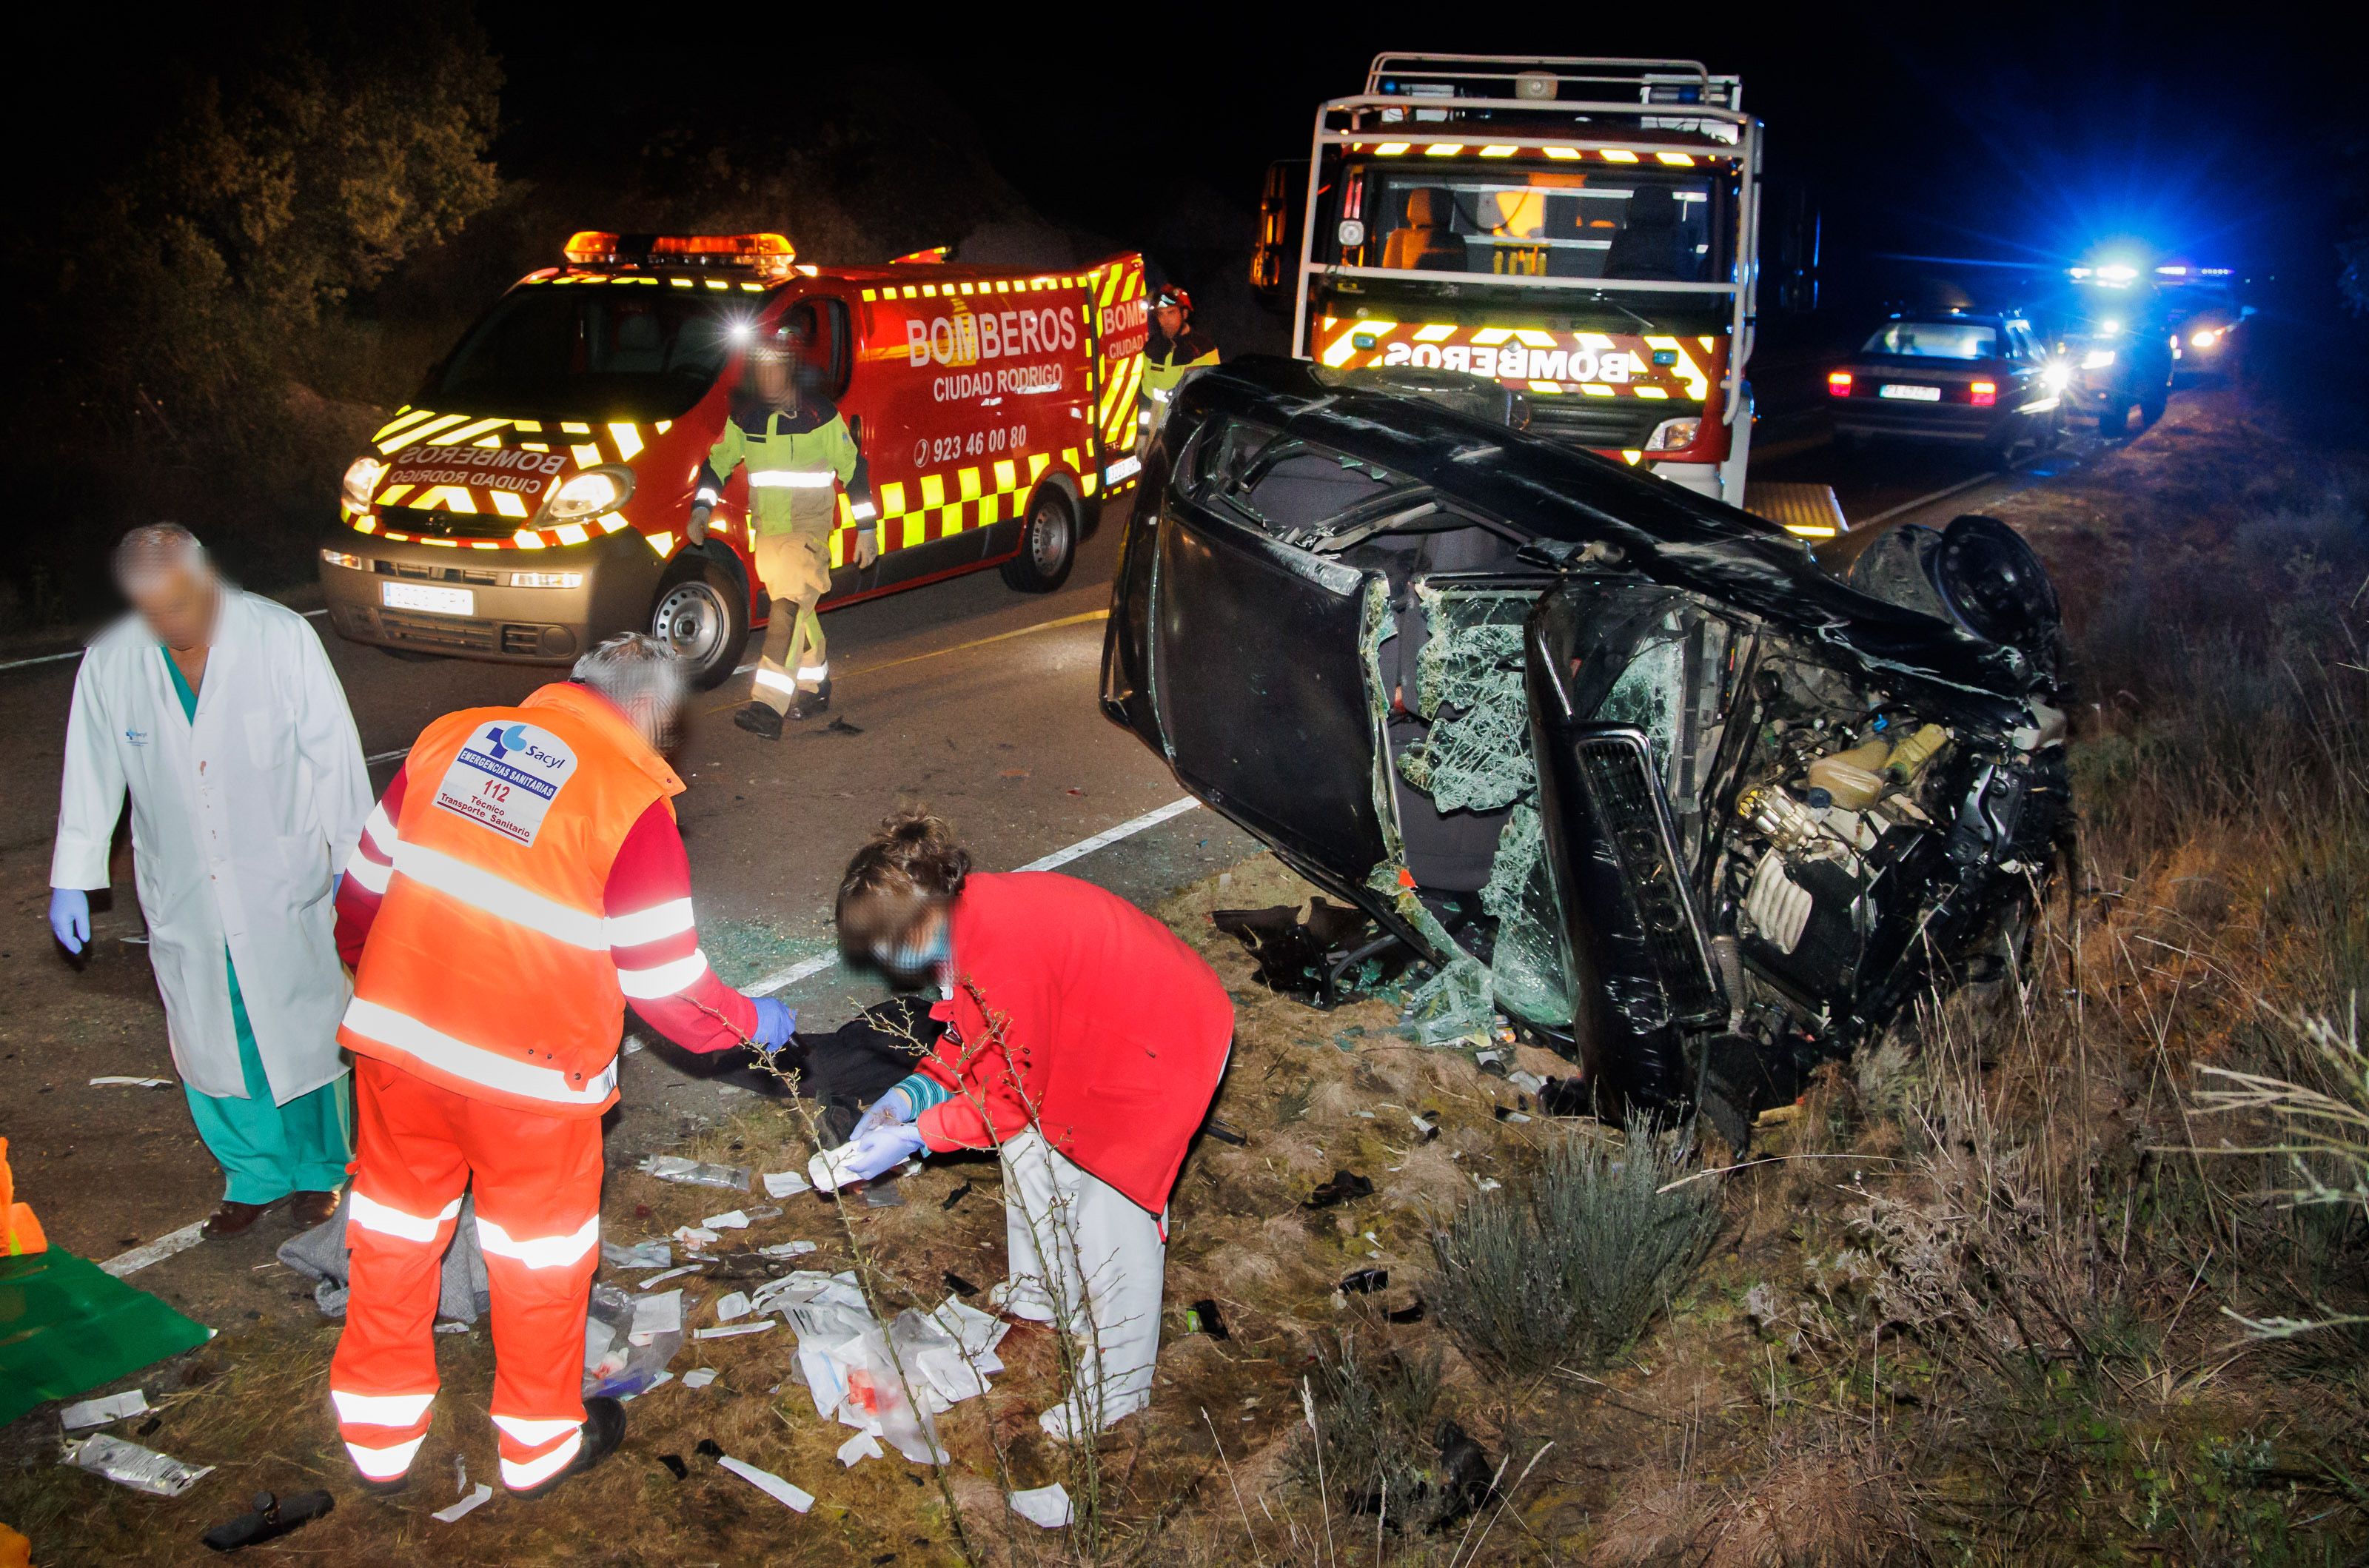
pixel 388 1220
pixel 498 896
pixel 791 479
pixel 538 1252
pixel 385 1464
pixel 814 671
pixel 518 1476
pixel 775 679
pixel 669 919
pixel 535 1434
pixel 379 1409
pixel 661 980
pixel 472 1063
pixel 373 875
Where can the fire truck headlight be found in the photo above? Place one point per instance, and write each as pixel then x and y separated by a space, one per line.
pixel 362 482
pixel 1673 435
pixel 340 558
pixel 589 494
pixel 2056 376
pixel 2098 359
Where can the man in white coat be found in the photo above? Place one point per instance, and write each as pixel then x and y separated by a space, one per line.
pixel 219 712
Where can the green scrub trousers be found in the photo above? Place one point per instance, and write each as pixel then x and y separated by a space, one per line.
pixel 267 1152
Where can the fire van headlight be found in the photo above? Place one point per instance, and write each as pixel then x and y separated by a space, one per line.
pixel 589 494
pixel 2056 376
pixel 362 482
pixel 2098 359
pixel 1673 435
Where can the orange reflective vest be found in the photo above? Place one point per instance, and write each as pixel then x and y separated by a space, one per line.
pixel 488 968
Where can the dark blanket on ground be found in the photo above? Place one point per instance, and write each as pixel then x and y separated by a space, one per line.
pixel 844 1070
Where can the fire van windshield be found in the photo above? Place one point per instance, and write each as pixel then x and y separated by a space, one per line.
pixel 606 352
pixel 1540 222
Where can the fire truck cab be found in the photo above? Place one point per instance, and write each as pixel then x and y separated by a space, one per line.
pixel 533 499
pixel 1582 233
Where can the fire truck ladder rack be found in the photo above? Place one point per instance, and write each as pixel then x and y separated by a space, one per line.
pixel 1673 105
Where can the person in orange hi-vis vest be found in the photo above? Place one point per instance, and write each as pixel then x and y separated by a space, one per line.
pixel 19 1233
pixel 521 880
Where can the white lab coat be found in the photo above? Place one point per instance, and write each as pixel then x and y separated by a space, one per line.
pixel 236 824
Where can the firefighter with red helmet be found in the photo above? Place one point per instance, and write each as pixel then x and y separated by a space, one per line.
pixel 800 454
pixel 1179 347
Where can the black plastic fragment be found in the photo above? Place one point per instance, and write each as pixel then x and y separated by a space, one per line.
pixel 675 1466
pixel 1202 1315
pixel 1366 1281
pixel 841 727
pixel 1344 1186
pixel 1408 1314
pixel 1567 1097
pixel 273 1516
pixel 149 1426
pixel 1463 1475
pixel 958 1285
pixel 955 1197
pixel 1223 1133
pixel 707 1449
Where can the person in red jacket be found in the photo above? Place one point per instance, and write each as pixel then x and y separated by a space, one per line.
pixel 1084 1044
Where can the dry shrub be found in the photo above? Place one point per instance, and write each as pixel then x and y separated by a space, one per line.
pixel 1570 1262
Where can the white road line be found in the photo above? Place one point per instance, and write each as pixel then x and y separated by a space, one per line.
pixel 77 653
pixel 163 1247
pixel 805 968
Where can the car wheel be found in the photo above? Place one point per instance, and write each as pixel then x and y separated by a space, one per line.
pixel 2151 406
pixel 703 615
pixel 2115 420
pixel 1048 543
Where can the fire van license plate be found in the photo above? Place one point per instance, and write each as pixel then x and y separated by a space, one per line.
pixel 1913 394
pixel 435 600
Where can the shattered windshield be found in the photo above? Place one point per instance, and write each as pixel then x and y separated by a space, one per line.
pixel 1620 222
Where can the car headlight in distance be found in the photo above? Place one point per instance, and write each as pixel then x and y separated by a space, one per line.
pixel 589 494
pixel 2055 376
pixel 1673 435
pixel 2206 338
pixel 2097 359
pixel 546 580
pixel 362 482
pixel 339 558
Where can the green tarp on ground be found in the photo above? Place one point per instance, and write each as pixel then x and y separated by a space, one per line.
pixel 67 1326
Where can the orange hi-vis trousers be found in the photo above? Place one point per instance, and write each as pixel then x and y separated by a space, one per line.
pixel 537 1181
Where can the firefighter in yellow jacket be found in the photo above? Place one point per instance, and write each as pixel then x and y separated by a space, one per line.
pixel 1179 347
pixel 799 454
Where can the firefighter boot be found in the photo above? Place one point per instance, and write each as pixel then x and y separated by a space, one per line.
pixel 806 705
pixel 758 719
pixel 604 1429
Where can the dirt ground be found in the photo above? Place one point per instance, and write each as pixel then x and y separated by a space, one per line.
pixel 1969 1308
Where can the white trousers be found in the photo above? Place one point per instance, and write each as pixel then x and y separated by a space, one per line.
pixel 1084 1256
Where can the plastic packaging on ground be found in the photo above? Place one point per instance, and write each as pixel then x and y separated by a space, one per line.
pixel 100 1412
pixel 697 1172
pixel 851 1368
pixel 768 1483
pixel 129 1464
pixel 1044 1505
pixel 641 1254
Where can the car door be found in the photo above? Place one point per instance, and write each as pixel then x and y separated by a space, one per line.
pixel 1241 653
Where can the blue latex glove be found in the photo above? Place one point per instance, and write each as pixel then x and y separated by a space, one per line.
pixel 891 1109
pixel 336 885
pixel 775 1020
pixel 70 916
pixel 882 1149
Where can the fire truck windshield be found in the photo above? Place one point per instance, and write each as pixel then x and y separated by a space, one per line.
pixel 604 352
pixel 1545 223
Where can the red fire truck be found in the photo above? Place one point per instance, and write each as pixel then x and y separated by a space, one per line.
pixel 532 499
pixel 1582 232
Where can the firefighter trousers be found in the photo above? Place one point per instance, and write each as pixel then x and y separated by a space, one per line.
pixel 537 1181
pixel 796 570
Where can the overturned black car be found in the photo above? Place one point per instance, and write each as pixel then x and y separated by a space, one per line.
pixel 1619 761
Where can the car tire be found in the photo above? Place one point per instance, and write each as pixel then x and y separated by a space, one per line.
pixel 2151 406
pixel 701 611
pixel 2114 421
pixel 1048 543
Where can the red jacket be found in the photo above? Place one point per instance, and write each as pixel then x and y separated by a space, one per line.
pixel 1072 1000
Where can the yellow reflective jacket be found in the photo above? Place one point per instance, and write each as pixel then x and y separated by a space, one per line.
pixel 797 462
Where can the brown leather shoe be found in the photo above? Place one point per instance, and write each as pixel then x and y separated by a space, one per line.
pixel 308 1209
pixel 233 1220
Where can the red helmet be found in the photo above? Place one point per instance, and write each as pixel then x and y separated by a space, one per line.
pixel 1171 296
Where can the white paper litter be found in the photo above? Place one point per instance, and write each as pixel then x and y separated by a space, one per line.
pixel 1046 1505
pixel 131 1082
pixel 129 1464
pixel 863 1445
pixel 100 1412
pixel 788 1249
pixel 671 1274
pixel 452 1514
pixel 655 1315
pixel 700 1378
pixel 693 1237
pixel 828 1170
pixel 764 1211
pixel 731 1220
pixel 731 1329
pixel 786 1183
pixel 728 1308
pixel 772 1485
pixel 652 1253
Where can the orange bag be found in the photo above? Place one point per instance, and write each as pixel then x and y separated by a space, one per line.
pixel 18 1229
